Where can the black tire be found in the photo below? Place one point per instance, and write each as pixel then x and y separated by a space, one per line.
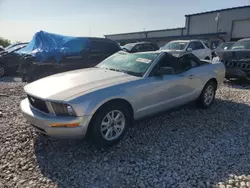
pixel 201 102
pixel 95 135
pixel 2 70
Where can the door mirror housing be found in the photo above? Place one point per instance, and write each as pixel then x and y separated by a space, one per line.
pixel 164 71
pixel 189 49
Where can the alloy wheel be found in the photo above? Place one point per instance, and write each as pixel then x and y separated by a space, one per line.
pixel 209 95
pixel 113 125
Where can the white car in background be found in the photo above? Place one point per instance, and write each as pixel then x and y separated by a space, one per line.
pixel 197 47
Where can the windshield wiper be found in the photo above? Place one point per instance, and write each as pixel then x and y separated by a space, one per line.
pixel 125 71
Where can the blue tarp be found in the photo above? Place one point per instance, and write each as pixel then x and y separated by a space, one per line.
pixel 46 46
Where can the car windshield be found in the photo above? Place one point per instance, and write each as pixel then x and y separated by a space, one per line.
pixel 175 46
pixel 10 46
pixel 135 64
pixel 128 46
pixel 225 46
pixel 244 44
pixel 15 47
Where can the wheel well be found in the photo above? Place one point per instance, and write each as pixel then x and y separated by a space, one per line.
pixel 207 58
pixel 116 102
pixel 213 80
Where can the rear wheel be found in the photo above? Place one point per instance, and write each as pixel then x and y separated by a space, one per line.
pixel 207 95
pixel 109 125
pixel 2 71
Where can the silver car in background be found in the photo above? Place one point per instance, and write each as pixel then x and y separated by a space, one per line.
pixel 102 101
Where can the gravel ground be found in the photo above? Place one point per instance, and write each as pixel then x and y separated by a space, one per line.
pixel 185 148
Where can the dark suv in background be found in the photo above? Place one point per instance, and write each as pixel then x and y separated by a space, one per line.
pixel 140 47
pixel 97 50
pixel 237 60
pixel 9 60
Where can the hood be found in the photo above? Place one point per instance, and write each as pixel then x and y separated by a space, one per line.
pixel 61 86
pixel 233 54
pixel 237 62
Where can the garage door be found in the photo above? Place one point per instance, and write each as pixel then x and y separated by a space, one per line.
pixel 241 29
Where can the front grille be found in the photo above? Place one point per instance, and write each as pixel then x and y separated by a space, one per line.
pixel 60 109
pixel 38 104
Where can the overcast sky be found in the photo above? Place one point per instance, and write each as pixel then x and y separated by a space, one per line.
pixel 20 19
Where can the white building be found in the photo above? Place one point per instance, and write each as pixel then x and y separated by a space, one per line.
pixel 214 26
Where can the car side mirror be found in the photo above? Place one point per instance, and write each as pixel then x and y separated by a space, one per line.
pixel 189 49
pixel 164 71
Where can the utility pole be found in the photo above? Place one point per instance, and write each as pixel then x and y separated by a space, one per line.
pixel 144 32
pixel 217 22
pixel 89 31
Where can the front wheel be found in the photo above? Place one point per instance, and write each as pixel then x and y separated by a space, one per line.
pixel 109 125
pixel 207 95
pixel 2 71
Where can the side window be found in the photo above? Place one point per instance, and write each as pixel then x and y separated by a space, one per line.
pixel 187 63
pixel 147 47
pixel 178 65
pixel 103 47
pixel 191 45
pixel 97 46
pixel 111 47
pixel 155 46
pixel 198 45
pixel 137 48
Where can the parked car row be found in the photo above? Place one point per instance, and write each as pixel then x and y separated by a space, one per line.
pixel 32 61
pixel 90 54
pixel 235 55
pixel 48 54
pixel 197 47
pixel 140 47
pixel 177 48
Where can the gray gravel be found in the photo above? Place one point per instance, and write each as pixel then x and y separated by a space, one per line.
pixel 185 148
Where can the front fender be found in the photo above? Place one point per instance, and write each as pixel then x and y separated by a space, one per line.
pixel 88 104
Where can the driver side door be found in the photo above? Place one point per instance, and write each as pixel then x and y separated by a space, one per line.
pixel 167 91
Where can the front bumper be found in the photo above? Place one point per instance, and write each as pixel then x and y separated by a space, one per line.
pixel 42 122
pixel 235 73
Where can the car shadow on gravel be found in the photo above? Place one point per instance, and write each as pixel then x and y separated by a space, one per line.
pixel 184 147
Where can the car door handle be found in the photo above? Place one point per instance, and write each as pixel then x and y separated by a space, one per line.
pixel 191 76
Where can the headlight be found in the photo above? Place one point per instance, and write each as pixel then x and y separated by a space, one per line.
pixel 61 109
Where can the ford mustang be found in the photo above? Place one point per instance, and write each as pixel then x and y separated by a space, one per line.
pixel 101 102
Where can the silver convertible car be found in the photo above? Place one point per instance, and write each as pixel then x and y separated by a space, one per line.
pixel 101 102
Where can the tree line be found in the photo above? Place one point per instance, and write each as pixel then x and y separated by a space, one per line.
pixel 4 42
